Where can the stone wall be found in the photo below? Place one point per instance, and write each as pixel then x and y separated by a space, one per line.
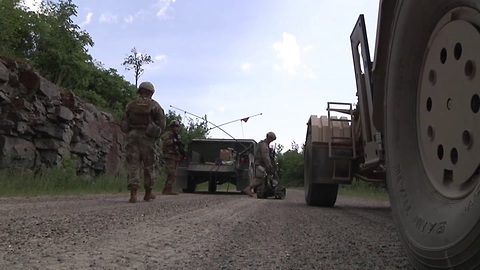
pixel 42 124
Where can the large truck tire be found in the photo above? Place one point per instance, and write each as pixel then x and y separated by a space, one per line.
pixel 432 131
pixel 317 194
pixel 324 195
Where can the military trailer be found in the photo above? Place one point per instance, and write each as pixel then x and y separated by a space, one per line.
pixel 217 161
pixel 415 127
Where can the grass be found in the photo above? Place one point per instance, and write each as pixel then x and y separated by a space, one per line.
pixel 62 181
pixel 360 188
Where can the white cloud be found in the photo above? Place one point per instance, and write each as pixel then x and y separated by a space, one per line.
pixel 133 17
pixel 163 6
pixel 129 19
pixel 88 19
pixel 311 74
pixel 209 113
pixel 307 48
pixel 33 5
pixel 108 18
pixel 246 67
pixel 160 57
pixel 289 52
pixel 221 109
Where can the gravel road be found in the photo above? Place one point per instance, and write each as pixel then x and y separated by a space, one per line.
pixel 197 231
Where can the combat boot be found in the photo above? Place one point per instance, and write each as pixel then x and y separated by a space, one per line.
pixel 133 196
pixel 248 191
pixel 168 191
pixel 149 195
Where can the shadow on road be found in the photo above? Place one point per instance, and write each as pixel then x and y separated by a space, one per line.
pixel 218 193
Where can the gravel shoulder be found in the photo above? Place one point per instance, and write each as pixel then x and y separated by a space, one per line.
pixel 197 231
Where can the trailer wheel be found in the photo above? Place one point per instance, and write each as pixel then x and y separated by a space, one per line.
pixel 317 194
pixel 432 128
pixel 212 186
pixel 191 186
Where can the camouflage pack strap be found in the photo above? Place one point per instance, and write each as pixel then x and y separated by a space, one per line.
pixel 138 126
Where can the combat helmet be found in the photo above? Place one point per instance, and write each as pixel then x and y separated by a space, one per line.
pixel 272 135
pixel 174 123
pixel 147 86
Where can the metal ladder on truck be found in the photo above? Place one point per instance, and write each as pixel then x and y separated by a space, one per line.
pixel 347 143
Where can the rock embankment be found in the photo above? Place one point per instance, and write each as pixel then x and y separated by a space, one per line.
pixel 42 124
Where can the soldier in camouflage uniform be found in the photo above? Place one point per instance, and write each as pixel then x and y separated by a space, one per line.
pixel 144 123
pixel 171 147
pixel 263 164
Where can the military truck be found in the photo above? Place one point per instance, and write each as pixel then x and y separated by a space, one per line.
pixel 415 127
pixel 217 161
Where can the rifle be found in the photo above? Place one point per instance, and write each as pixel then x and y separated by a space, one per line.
pixel 179 144
pixel 274 162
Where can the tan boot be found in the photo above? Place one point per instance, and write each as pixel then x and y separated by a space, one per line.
pixel 133 196
pixel 248 191
pixel 168 191
pixel 149 195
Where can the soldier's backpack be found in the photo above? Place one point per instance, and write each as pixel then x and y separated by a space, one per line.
pixel 139 112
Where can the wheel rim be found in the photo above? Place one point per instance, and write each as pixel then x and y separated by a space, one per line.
pixel 448 106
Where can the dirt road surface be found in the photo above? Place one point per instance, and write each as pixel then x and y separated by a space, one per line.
pixel 197 231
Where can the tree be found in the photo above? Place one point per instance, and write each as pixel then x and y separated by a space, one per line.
pixel 114 92
pixel 60 48
pixel 136 61
pixel 278 148
pixel 192 130
pixel 16 39
pixel 50 42
pixel 290 166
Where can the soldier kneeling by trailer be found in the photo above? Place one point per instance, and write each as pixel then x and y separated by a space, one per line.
pixel 264 182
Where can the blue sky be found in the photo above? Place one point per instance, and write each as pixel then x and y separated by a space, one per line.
pixel 229 59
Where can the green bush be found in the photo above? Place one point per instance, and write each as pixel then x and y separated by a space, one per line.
pixel 61 180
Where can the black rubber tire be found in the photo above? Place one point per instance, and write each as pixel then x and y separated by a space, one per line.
pixel 212 186
pixel 324 195
pixel 191 187
pixel 260 191
pixel 316 194
pixel 436 232
pixel 186 190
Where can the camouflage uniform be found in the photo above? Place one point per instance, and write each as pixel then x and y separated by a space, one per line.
pixel 171 154
pixel 141 148
pixel 263 164
pixel 262 158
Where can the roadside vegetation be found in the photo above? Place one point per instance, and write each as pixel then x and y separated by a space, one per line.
pixel 62 181
pixel 360 188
